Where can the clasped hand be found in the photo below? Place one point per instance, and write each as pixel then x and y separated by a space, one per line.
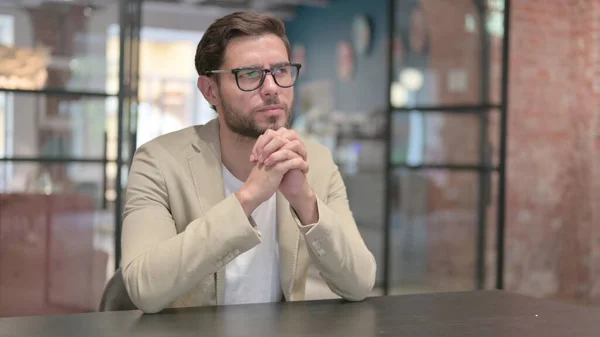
pixel 280 163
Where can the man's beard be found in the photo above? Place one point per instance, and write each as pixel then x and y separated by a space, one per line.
pixel 246 126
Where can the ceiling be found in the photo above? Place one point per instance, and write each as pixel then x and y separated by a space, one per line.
pixel 249 4
pixel 283 6
pixel 192 15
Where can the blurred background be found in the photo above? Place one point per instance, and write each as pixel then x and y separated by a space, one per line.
pixel 469 144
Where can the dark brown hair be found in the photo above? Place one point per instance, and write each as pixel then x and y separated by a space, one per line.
pixel 210 53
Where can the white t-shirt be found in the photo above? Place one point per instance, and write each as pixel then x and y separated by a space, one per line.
pixel 253 277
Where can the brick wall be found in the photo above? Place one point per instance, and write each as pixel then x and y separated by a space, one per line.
pixel 551 223
pixel 553 198
pixel 595 123
pixel 451 224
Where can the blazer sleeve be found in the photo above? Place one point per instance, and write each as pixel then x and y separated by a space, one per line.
pixel 160 265
pixel 336 246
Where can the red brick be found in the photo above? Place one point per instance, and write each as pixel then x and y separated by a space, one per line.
pixel 553 196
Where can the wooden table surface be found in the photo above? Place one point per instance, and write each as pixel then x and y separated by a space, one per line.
pixel 462 314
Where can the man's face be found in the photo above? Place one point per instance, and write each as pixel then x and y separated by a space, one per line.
pixel 251 113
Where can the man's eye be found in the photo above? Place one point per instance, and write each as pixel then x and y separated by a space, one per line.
pixel 251 74
pixel 281 71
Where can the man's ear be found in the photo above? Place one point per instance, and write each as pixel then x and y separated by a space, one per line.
pixel 208 88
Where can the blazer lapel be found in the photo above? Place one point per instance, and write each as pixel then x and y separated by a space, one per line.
pixel 206 170
pixel 289 237
pixel 206 167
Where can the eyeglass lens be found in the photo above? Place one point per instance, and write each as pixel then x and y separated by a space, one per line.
pixel 250 79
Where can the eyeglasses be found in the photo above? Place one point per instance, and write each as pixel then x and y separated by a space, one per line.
pixel 251 78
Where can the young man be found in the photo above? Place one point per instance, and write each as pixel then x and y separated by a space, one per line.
pixel 235 210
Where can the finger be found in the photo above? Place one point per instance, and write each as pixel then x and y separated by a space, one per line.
pixel 290 135
pixel 268 137
pixel 261 141
pixel 274 145
pixel 279 156
pixel 293 136
pixel 296 146
pixel 254 153
pixel 305 168
pixel 293 147
pixel 292 164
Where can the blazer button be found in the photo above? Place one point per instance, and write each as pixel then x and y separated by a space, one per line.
pixel 320 252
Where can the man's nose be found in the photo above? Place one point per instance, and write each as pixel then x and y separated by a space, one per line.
pixel 269 86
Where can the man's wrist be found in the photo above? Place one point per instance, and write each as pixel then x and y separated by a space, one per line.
pixel 306 207
pixel 244 196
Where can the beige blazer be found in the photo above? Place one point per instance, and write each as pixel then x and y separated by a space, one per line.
pixel 179 230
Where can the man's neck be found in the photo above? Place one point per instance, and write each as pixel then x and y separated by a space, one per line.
pixel 235 152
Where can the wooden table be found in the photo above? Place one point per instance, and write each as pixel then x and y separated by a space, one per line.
pixel 467 314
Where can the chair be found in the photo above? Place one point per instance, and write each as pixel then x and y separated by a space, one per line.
pixel 115 296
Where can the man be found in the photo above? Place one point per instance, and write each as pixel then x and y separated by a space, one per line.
pixel 235 210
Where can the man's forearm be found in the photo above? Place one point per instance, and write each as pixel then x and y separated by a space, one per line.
pixel 246 200
pixel 169 267
pixel 305 206
pixel 338 251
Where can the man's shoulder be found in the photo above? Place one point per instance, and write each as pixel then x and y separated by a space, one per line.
pixel 318 152
pixel 175 142
pixel 315 147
